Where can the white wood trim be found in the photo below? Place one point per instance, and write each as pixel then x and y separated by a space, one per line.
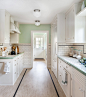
pixel 47 32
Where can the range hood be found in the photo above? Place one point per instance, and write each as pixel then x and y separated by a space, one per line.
pixel 14 29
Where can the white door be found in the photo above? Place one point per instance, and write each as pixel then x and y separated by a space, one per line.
pixel 39 47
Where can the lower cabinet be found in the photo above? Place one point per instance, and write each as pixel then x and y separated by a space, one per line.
pixel 76 81
pixel 77 89
pixel 78 84
pixel 65 87
pixel 17 66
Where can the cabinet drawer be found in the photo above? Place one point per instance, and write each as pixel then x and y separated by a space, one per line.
pixel 15 76
pixel 15 61
pixel 15 67
pixel 60 68
pixel 67 67
pixel 59 61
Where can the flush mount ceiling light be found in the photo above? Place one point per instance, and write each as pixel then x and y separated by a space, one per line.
pixel 37 22
pixel 37 13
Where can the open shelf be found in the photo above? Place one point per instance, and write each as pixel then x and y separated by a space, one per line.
pixel 82 12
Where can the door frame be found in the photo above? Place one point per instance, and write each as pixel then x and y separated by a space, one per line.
pixel 32 32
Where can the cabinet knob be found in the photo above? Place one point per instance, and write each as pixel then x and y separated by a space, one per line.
pixel 15 72
pixel 15 60
pixel 60 74
pixel 15 64
pixel 66 67
pixel 81 89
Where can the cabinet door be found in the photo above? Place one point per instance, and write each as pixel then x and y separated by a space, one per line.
pixel 77 88
pixel 53 49
pixel 70 23
pixel 67 88
pixel 15 69
pixel 7 27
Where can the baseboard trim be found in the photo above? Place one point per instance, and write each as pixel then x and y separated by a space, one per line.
pixel 20 83
pixel 53 84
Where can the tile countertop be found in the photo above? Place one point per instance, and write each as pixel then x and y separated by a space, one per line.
pixel 74 63
pixel 10 56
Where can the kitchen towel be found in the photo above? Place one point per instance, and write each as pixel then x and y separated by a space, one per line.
pixel 64 77
pixel 7 67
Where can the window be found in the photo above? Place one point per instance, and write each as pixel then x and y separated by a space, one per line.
pixel 39 42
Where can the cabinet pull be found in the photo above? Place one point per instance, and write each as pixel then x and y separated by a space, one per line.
pixel 59 74
pixel 15 60
pixel 81 89
pixel 15 72
pixel 66 67
pixel 15 64
pixel 60 66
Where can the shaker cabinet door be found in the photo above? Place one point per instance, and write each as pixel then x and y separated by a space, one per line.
pixel 77 88
pixel 70 23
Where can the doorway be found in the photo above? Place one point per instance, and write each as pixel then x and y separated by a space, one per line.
pixel 39 45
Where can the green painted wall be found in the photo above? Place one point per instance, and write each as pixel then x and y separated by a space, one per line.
pixel 85 2
pixel 25 36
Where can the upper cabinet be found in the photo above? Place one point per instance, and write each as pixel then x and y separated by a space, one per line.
pixel 4 26
pixel 70 26
pixel 75 25
pixel 61 27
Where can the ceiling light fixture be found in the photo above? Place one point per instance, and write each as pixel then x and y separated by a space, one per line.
pixel 37 13
pixel 37 22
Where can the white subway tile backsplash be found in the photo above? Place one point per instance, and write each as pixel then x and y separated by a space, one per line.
pixel 64 48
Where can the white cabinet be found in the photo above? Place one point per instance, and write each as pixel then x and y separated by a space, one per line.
pixel 61 28
pixel 57 36
pixel 66 87
pixel 75 26
pixel 76 81
pixel 77 88
pixel 53 47
pixel 70 26
pixel 14 38
pixel 16 67
pixel 78 84
pixel 4 26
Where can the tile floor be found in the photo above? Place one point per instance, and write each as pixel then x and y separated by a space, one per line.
pixel 36 83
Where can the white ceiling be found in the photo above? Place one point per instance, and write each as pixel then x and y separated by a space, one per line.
pixel 22 10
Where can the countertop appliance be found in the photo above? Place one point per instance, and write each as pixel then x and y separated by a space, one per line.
pixel 13 50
